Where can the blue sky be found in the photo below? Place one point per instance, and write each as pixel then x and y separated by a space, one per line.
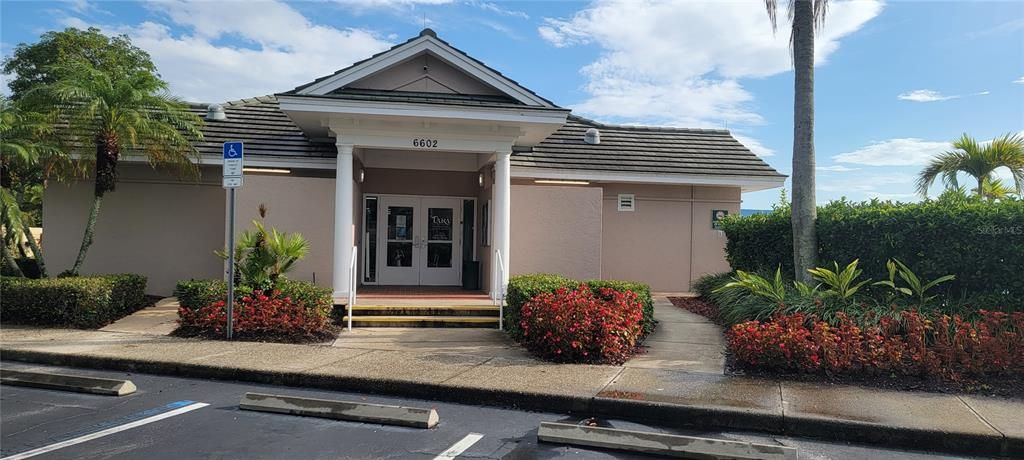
pixel 896 81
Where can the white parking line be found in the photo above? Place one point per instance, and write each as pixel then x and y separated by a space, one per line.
pixel 460 447
pixel 106 432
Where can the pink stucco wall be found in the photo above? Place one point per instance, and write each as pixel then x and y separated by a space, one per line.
pixel 152 224
pixel 556 229
pixel 295 204
pixel 652 243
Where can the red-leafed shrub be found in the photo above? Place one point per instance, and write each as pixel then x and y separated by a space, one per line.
pixel 580 326
pixel 949 348
pixel 259 317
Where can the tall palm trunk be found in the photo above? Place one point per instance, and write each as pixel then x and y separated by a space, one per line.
pixel 5 252
pixel 107 150
pixel 805 242
pixel 36 250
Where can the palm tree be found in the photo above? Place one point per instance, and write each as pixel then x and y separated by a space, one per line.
pixel 129 110
pixel 806 17
pixel 27 144
pixel 979 161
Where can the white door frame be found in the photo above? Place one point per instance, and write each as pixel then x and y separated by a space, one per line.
pixel 420 247
pixel 405 274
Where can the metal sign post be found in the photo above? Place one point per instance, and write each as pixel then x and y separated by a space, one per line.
pixel 233 157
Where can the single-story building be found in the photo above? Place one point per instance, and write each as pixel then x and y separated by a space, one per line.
pixel 423 166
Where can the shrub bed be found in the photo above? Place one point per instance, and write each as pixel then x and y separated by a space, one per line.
pixel 949 348
pixel 259 316
pixel 523 288
pixel 195 294
pixel 582 326
pixel 982 243
pixel 296 311
pixel 84 302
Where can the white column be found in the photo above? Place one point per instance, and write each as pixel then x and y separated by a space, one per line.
pixel 502 215
pixel 343 236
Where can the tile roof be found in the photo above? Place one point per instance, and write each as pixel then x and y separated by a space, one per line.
pixel 642 149
pixel 266 130
pixel 424 32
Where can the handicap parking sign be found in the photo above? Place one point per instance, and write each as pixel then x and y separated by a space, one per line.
pixel 233 156
pixel 232 150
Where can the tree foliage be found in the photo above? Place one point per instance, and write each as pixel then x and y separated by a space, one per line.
pixel 980 161
pixel 41 63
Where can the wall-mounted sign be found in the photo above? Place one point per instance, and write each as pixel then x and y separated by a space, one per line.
pixel 716 218
pixel 428 143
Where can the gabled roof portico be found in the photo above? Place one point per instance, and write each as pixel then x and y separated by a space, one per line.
pixel 366 108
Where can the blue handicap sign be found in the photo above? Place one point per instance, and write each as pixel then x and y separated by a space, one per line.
pixel 232 150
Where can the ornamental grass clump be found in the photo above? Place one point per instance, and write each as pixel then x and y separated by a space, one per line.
pixel 581 326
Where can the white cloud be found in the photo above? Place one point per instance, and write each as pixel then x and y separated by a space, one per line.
pixel 836 168
pixel 495 8
pixel 282 48
pixel 927 95
pixel 894 152
pixel 754 145
pixel 868 185
pixel 1019 81
pixel 388 4
pixel 653 70
pixel 924 95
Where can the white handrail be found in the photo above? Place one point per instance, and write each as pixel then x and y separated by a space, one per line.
pixel 499 288
pixel 352 285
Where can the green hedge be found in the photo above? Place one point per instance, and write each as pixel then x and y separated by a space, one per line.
pixel 85 301
pixel 522 288
pixel 196 294
pixel 981 243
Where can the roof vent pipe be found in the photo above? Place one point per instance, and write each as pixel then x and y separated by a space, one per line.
pixel 215 112
pixel 592 136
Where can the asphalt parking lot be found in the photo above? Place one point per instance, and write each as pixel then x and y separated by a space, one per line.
pixel 176 418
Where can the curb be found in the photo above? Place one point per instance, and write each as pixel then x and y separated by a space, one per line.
pixel 66 382
pixel 340 410
pixel 641 411
pixel 669 445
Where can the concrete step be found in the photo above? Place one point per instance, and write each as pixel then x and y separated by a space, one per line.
pixel 422 321
pixel 426 310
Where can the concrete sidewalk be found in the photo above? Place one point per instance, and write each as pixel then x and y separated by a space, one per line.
pixel 668 386
pixel 665 396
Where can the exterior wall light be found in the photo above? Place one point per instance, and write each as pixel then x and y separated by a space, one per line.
pixel 561 182
pixel 362 175
pixel 267 170
pixel 480 179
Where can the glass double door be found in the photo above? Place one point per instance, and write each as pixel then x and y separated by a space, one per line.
pixel 419 244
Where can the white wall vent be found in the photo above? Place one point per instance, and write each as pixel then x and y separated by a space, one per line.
pixel 627 202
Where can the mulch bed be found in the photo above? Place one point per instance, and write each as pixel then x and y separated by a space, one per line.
pixel 323 338
pixel 1006 386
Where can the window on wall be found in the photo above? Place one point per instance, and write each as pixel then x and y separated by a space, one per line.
pixel 370 241
pixel 627 202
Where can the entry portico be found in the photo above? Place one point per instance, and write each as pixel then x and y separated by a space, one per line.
pixel 354 108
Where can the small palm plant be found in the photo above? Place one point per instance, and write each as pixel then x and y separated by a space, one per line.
pixel 841 283
pixel 915 286
pixel 27 143
pixel 118 114
pixel 774 289
pixel 262 257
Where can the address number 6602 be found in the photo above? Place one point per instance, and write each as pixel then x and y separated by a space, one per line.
pixel 429 143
